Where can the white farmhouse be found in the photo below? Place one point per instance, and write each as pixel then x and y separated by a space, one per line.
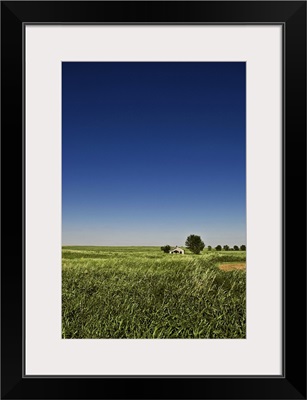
pixel 177 250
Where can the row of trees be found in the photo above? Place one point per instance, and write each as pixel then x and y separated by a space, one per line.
pixel 196 245
pixel 227 248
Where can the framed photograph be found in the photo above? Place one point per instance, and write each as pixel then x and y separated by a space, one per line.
pixel 153 217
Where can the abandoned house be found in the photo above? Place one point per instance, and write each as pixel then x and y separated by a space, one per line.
pixel 177 250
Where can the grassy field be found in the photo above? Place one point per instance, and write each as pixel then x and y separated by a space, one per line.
pixel 141 292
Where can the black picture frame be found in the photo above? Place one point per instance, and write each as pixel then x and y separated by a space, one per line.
pixel 292 16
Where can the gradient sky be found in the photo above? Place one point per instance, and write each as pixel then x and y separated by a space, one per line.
pixel 153 152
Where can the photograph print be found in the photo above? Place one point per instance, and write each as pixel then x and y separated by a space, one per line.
pixel 154 200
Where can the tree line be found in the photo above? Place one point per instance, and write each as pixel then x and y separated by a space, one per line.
pixel 228 248
pixel 196 245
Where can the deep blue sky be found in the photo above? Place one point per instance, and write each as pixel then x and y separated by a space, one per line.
pixel 153 152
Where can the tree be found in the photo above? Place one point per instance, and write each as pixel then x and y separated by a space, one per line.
pixel 236 248
pixel 243 247
pixel 218 247
pixel 166 248
pixel 195 244
pixel 209 248
pixel 226 247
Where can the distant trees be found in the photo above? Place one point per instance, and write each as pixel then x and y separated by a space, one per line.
pixel 166 248
pixel 227 248
pixel 195 244
pixel 209 248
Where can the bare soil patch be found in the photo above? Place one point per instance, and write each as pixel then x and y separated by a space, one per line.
pixel 232 266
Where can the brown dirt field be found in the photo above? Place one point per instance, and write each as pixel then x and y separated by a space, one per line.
pixel 232 266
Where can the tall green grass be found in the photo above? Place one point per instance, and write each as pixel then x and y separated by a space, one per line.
pixel 141 292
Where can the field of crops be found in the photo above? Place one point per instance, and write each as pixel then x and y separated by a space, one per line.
pixel 141 292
